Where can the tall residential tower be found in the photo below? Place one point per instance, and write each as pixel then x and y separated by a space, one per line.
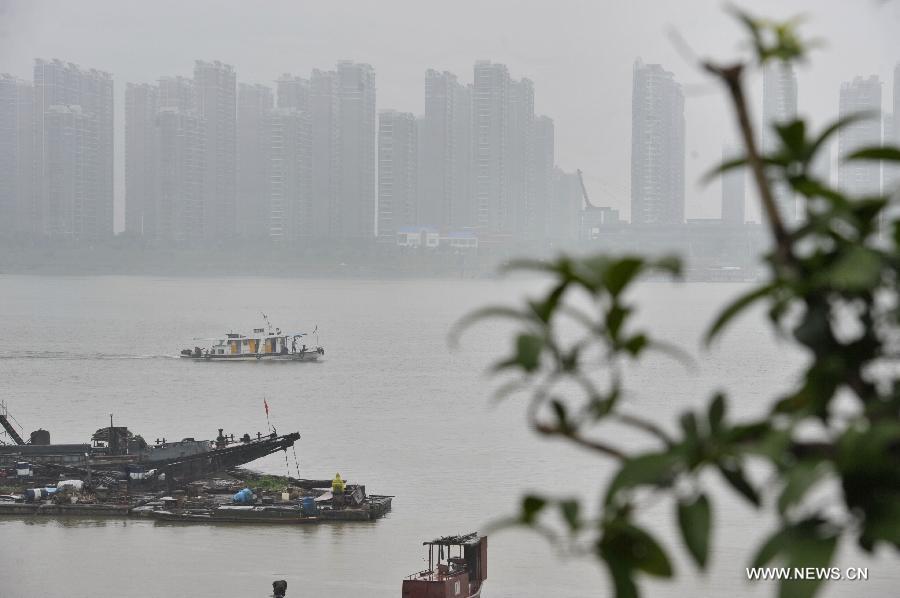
pixel 860 96
pixel 73 145
pixel 446 153
pixel 779 107
pixel 215 86
pixel 657 147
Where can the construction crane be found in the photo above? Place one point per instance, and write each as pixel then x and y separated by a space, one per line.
pixel 7 424
pixel 588 205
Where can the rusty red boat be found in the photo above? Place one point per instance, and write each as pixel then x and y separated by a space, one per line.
pixel 457 568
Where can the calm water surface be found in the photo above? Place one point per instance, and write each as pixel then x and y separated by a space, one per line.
pixel 391 406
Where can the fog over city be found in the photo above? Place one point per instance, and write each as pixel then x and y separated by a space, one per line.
pixel 408 139
pixel 255 272
pixel 579 55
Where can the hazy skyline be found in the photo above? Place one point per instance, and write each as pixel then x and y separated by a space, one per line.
pixel 579 55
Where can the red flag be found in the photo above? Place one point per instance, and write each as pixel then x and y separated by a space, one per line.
pixel 266 405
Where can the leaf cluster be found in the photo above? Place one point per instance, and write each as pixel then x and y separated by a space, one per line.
pixel 831 289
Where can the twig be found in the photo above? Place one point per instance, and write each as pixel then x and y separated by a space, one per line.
pixel 642 424
pixel 579 440
pixel 731 77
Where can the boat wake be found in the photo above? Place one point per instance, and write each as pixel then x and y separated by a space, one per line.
pixel 78 356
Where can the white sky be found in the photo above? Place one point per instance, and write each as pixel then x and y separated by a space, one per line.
pixel 578 53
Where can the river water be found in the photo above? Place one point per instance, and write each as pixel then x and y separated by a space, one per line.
pixel 391 406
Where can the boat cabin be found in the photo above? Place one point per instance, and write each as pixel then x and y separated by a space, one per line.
pixel 457 567
pixel 263 343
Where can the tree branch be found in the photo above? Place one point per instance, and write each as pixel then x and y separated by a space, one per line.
pixel 574 437
pixel 731 77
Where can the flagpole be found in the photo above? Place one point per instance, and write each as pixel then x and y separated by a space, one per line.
pixel 266 405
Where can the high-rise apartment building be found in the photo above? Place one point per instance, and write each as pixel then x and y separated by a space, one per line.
pixel 494 207
pixel 356 193
pixel 141 108
pixel 254 104
pixel 177 212
pixel 216 93
pixel 16 156
pixel 292 92
pixel 165 162
pixel 521 156
pixel 860 96
pixel 733 190
pixel 179 93
pixel 892 137
pixel 567 205
pixel 397 173
pixel 323 110
pixel 73 144
pixel 779 107
pixel 289 175
pixel 896 100
pixel 657 146
pixel 445 153
pixel 540 174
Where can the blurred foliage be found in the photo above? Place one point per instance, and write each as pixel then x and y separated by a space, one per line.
pixel 840 265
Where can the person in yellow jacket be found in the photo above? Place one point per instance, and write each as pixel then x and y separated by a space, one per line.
pixel 337 490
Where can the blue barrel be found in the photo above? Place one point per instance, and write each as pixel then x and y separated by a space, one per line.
pixel 308 506
pixel 244 497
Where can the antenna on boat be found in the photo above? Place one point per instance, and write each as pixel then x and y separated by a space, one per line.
pixel 268 326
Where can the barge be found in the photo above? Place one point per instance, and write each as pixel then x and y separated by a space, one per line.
pixel 242 497
pixel 191 481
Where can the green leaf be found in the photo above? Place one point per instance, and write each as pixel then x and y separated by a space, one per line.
pixel 737 307
pixel 695 522
pixel 834 128
pixel 615 317
pixel 655 469
pixel 716 412
pixel 890 154
pixel 626 547
pixel 545 309
pixel 562 417
pixel 531 508
pixel 806 546
pixel 770 549
pixel 483 314
pixel 793 137
pixel 670 264
pixel 734 475
pixel 622 576
pixel 636 344
pixel 620 273
pixel 648 555
pixel 800 478
pixel 858 269
pixel 570 510
pixel 688 423
pixel 723 168
pixel 528 351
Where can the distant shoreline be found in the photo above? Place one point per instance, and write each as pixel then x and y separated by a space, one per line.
pixel 352 261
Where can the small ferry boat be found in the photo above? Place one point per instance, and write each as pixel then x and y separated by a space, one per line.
pixel 447 575
pixel 263 344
